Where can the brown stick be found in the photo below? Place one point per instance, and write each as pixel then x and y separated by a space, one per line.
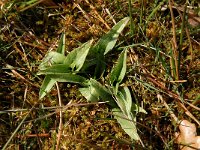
pixel 174 42
pixel 60 123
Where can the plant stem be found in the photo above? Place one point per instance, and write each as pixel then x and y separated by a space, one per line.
pixel 181 37
pixel 174 42
pixel 131 19
pixel 60 123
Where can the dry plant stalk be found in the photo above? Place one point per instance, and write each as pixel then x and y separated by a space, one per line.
pixel 174 43
pixel 60 128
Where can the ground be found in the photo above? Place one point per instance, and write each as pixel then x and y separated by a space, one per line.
pixel 162 73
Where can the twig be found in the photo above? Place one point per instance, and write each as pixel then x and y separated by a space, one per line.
pixel 34 135
pixel 52 108
pixel 25 56
pixel 39 41
pixel 174 42
pixel 111 16
pixel 192 106
pixel 172 115
pixel 35 46
pixel 60 123
pixel 83 12
pixel 25 95
pixel 17 75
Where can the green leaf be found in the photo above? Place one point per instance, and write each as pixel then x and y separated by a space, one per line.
pixel 58 68
pixel 46 86
pixel 61 46
pixel 128 99
pixel 76 58
pixel 124 101
pixel 50 59
pixel 103 92
pixel 124 114
pixel 118 72
pixel 106 44
pixel 127 124
pixel 121 102
pixel 100 66
pixel 69 77
pixel 137 109
pixel 108 41
pixel 90 93
pixel 51 79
